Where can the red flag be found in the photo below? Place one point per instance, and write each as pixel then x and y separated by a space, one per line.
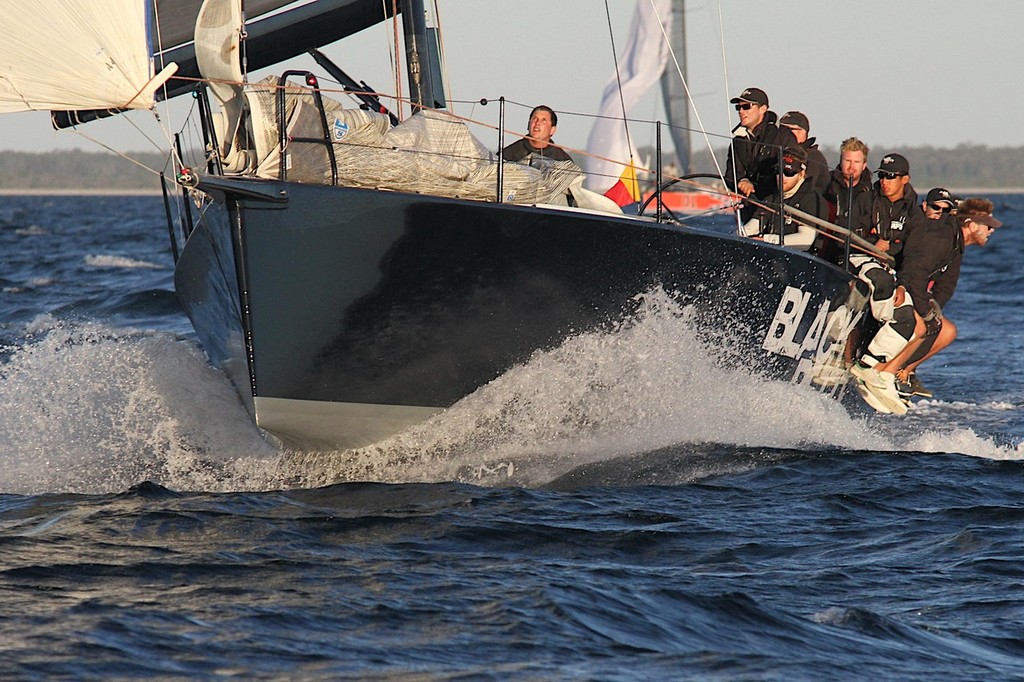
pixel 626 190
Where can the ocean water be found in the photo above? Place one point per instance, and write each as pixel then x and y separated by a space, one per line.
pixel 618 508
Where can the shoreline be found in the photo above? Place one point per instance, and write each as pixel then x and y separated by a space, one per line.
pixel 54 191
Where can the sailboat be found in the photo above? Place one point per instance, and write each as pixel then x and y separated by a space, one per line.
pixel 354 274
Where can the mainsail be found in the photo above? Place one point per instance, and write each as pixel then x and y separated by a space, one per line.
pixel 75 54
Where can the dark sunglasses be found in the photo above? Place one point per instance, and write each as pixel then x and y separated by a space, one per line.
pixel 743 106
pixel 790 172
pixel 939 207
pixel 889 175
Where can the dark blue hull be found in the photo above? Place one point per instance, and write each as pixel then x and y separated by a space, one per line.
pixel 344 315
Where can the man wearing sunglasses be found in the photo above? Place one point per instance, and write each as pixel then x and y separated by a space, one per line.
pixel 757 143
pixel 893 202
pixel 931 268
pixel 894 211
pixel 797 192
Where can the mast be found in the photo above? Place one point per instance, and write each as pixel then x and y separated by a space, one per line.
pixel 677 109
pixel 422 57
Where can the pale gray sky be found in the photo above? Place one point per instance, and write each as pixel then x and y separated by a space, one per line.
pixel 907 72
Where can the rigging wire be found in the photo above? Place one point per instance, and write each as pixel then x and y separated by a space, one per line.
pixel 446 81
pixel 686 87
pixel 387 39
pixel 397 59
pixel 728 115
pixel 622 100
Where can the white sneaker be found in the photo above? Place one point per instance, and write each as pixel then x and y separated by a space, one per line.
pixel 873 402
pixel 868 375
pixel 887 393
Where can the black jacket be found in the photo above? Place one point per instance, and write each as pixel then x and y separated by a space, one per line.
pixel 932 253
pixel 817 165
pixel 755 156
pixel 849 207
pixel 892 221
pixel 806 198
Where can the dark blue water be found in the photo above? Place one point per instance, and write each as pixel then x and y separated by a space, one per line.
pixel 617 509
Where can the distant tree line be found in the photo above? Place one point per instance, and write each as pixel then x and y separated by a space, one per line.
pixel 79 170
pixel 965 166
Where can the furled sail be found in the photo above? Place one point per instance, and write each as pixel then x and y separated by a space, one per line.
pixel 75 54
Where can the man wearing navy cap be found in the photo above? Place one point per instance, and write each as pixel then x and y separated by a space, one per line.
pixel 817 165
pixel 893 211
pixel 797 192
pixel 757 144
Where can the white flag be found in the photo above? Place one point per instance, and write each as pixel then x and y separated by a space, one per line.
pixel 640 67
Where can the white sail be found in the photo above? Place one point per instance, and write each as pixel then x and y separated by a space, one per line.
pixel 75 54
pixel 640 67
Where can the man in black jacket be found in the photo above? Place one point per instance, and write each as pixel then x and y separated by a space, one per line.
pixel 848 193
pixel 798 193
pixel 817 166
pixel 894 212
pixel 754 155
pixel 931 268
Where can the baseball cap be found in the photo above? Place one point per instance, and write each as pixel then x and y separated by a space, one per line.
pixel 755 95
pixel 795 118
pixel 794 160
pixel 895 163
pixel 941 197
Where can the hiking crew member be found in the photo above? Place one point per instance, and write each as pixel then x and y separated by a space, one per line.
pixel 893 209
pixel 931 268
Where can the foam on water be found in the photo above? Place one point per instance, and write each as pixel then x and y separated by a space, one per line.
pixel 90 408
pixel 648 385
pixel 111 261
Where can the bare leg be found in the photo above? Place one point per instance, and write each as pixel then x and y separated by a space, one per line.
pixel 947 334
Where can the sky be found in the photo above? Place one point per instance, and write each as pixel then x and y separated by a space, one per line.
pixel 893 73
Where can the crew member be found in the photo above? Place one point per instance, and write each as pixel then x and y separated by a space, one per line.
pixel 817 166
pixel 931 268
pixel 893 209
pixel 757 144
pixel 849 196
pixel 538 143
pixel 797 192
